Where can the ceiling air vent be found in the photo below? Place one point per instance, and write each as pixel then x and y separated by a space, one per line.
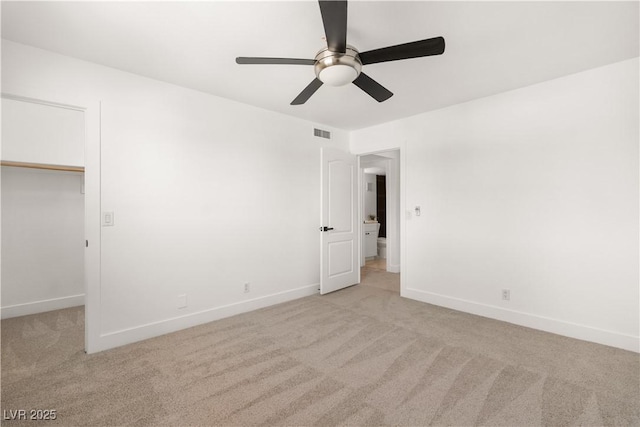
pixel 321 133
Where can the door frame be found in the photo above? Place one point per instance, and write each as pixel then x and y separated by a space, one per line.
pixel 402 215
pixel 92 195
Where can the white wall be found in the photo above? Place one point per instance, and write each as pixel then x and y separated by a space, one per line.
pixel 370 197
pixel 393 213
pixel 535 190
pixel 207 194
pixel 42 241
pixel 37 133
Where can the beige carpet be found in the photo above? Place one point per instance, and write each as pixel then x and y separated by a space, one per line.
pixel 360 356
pixel 374 273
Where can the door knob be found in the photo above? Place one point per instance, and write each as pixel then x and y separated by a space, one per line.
pixel 325 228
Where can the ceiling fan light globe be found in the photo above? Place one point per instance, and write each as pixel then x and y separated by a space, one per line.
pixel 338 75
pixel 337 69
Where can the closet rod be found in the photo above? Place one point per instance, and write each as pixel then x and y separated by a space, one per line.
pixel 42 166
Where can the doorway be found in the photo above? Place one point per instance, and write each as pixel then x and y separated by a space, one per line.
pixel 380 219
pixel 50 159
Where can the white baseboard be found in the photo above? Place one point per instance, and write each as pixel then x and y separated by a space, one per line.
pixel 151 330
pixel 555 326
pixel 393 268
pixel 41 306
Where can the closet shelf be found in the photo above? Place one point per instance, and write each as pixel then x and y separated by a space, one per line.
pixel 42 166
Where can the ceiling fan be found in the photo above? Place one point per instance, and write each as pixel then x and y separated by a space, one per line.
pixel 339 63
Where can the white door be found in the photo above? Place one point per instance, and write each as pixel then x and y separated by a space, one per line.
pixel 339 266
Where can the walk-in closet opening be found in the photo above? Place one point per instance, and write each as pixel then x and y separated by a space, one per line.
pixel 43 233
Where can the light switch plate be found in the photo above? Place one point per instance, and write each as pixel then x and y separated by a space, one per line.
pixel 108 219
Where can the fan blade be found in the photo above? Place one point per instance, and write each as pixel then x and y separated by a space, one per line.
pixel 428 47
pixel 289 61
pixel 307 92
pixel 372 87
pixel 334 18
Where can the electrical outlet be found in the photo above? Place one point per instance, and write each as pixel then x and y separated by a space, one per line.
pixel 182 301
pixel 506 294
pixel 247 287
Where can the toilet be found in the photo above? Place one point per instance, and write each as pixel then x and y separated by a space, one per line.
pixel 382 247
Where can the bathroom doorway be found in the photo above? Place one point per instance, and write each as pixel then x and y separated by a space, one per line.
pixel 380 219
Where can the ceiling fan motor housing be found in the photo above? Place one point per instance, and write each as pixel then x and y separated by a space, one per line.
pixel 336 68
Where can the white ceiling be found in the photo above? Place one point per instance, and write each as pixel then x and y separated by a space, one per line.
pixel 491 47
